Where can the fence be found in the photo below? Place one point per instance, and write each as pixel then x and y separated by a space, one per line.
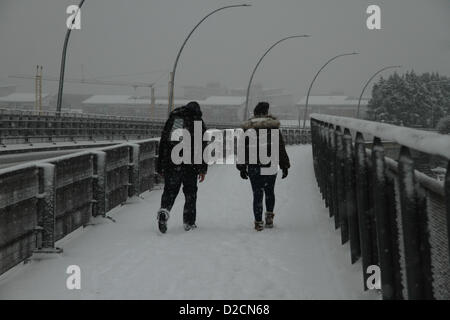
pixel 43 202
pixel 296 136
pixel 18 127
pixel 392 215
pixel 23 126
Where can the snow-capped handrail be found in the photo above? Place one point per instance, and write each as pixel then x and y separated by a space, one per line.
pixel 385 201
pixel 428 142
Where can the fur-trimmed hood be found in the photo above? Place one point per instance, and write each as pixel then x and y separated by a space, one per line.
pixel 261 122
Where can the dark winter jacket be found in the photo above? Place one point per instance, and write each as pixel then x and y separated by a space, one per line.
pixel 265 122
pixel 181 117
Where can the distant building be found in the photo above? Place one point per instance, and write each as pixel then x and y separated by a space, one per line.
pixel 201 93
pixel 7 90
pixel 282 105
pixel 281 102
pixel 215 108
pixel 70 101
pixel 223 109
pixel 275 96
pixel 24 101
pixel 120 105
pixel 344 106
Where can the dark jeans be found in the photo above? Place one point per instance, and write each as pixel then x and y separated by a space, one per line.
pixel 173 178
pixel 261 185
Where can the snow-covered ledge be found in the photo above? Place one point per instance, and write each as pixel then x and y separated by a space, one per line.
pixel 428 142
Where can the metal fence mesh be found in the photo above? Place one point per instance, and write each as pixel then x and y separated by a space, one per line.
pixel 403 215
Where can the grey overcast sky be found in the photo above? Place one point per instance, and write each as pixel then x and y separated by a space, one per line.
pixel 135 36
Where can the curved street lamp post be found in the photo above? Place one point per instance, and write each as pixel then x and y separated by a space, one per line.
pixel 63 63
pixel 257 65
pixel 172 74
pixel 368 82
pixel 312 82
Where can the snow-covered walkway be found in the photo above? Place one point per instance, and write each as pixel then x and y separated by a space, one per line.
pixel 301 258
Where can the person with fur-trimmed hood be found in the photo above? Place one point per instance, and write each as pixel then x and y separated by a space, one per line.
pixel 184 174
pixel 263 184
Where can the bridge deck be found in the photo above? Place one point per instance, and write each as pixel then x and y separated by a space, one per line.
pixel 301 258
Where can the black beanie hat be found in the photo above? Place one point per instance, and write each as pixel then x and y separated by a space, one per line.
pixel 261 109
pixel 194 108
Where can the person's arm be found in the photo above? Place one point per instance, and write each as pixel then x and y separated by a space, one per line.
pixel 283 156
pixel 242 167
pixel 203 169
pixel 163 148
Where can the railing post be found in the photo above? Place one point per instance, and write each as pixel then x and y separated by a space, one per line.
pixel 331 170
pixel 47 208
pixel 340 174
pixel 447 197
pixel 325 169
pixel 411 227
pixel 382 220
pixel 334 164
pixel 100 194
pixel 134 171
pixel 319 157
pixel 350 197
pixel 365 215
pixel 314 129
pixel 1 127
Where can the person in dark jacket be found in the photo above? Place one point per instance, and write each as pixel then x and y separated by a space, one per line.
pixel 185 174
pixel 263 184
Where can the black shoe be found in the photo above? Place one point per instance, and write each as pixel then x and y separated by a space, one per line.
pixel 269 219
pixel 163 216
pixel 188 226
pixel 259 225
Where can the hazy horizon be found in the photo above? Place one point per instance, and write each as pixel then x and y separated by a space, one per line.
pixel 137 36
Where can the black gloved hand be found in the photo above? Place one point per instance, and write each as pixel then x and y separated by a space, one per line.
pixel 285 173
pixel 244 174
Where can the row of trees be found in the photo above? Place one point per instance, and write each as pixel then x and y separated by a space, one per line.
pixel 411 100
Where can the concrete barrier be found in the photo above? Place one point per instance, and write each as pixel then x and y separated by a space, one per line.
pixel 19 211
pixel 42 202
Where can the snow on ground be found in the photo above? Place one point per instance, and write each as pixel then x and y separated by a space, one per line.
pixel 301 258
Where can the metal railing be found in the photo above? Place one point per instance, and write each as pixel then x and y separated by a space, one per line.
pixel 29 127
pixel 296 136
pixel 18 127
pixel 41 203
pixel 393 216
